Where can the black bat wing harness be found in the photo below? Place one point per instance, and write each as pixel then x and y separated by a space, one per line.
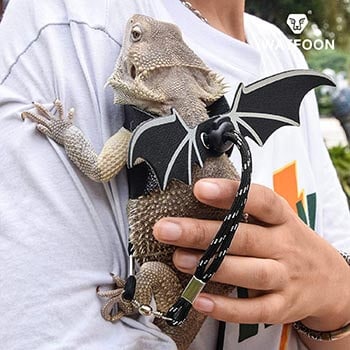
pixel 169 148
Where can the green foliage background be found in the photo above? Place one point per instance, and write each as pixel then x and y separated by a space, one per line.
pixel 340 156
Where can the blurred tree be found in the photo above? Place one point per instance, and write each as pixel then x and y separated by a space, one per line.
pixel 337 60
pixel 340 156
pixel 331 17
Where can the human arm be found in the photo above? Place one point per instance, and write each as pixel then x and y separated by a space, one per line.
pixel 299 274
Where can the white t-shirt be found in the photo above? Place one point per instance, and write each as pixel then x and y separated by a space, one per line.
pixel 60 233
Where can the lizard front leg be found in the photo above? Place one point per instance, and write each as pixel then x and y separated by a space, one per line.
pixel 100 168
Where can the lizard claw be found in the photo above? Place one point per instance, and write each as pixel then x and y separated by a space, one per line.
pixel 34 118
pixel 59 107
pixel 70 114
pixel 109 312
pixel 118 285
pixel 44 112
pixel 114 301
pixel 109 293
pixel 48 124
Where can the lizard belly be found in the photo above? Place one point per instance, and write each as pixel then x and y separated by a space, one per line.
pixel 176 201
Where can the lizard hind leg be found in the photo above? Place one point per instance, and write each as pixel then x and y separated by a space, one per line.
pixel 160 281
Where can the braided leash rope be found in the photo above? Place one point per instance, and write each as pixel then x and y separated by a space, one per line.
pixel 215 254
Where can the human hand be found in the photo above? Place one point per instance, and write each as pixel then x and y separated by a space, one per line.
pixel 298 274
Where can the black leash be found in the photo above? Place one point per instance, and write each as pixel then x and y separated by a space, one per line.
pixel 221 336
pixel 214 255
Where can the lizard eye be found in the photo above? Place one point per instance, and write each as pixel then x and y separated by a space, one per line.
pixel 136 32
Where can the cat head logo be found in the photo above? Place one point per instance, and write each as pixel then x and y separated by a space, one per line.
pixel 297 22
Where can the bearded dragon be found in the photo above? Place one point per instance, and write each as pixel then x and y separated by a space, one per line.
pixel 156 71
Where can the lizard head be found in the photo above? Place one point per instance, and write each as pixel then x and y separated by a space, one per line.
pixel 155 66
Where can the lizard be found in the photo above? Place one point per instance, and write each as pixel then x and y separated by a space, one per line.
pixel 155 71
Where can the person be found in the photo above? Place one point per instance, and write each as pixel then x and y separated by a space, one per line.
pixel 61 234
pixel 3 5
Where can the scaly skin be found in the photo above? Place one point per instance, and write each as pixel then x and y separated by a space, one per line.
pixel 155 71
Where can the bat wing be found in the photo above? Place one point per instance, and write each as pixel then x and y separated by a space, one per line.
pixel 261 108
pixel 168 146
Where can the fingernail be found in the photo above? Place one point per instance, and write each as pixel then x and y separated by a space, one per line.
pixel 204 304
pixel 208 189
pixel 185 261
pixel 167 231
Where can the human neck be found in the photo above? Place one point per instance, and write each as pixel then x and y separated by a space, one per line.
pixel 224 15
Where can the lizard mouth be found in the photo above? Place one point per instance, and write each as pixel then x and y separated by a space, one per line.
pixel 130 86
pixel 133 71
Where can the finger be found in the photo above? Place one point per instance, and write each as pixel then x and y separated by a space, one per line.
pixel 186 232
pixel 263 204
pixel 35 118
pixel 251 273
pixel 268 308
pixel 217 193
pixel 249 240
pixel 256 241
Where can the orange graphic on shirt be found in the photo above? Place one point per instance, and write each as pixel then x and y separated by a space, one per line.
pixel 285 183
pixel 285 336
